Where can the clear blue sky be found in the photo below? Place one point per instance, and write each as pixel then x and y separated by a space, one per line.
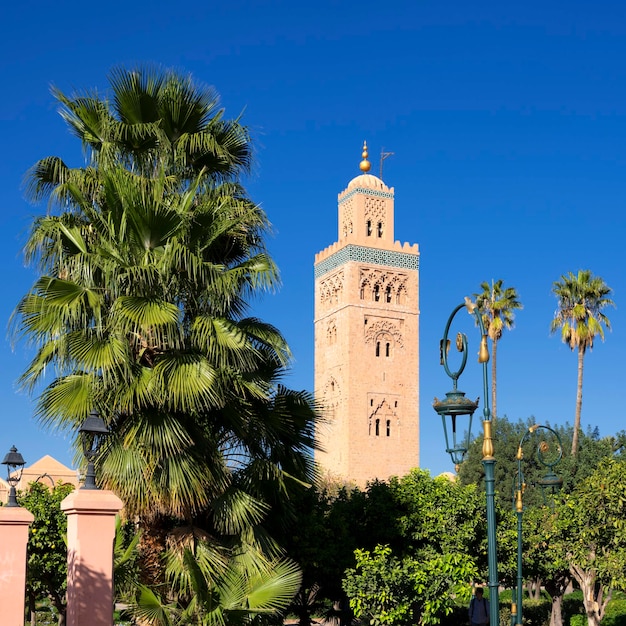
pixel 508 125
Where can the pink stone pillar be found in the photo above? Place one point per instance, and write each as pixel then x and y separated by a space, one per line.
pixel 14 523
pixel 90 535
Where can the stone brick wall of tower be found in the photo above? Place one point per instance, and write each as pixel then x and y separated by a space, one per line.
pixel 367 371
pixel 366 216
pixel 367 340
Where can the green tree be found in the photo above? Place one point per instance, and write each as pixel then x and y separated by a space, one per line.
pixel 507 436
pixel 438 548
pixel 149 257
pixel 545 562
pixel 496 305
pixel 387 590
pixel 323 536
pixel 151 119
pixel 47 549
pixel 439 515
pixel 148 335
pixel 592 535
pixel 582 298
pixel 545 565
pixel 125 560
pixel 211 586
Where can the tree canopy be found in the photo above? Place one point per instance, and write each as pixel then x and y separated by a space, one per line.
pixel 591 526
pixel 580 318
pixel 437 553
pixel 497 306
pixel 149 258
pixel 46 570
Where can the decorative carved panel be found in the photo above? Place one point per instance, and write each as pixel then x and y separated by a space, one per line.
pixel 377 327
pixel 382 285
pixel 375 209
pixel 331 289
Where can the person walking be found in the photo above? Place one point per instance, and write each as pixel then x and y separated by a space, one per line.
pixel 479 609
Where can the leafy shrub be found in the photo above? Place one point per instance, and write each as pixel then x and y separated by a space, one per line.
pixel 536 612
pixel 616 611
pixel 573 608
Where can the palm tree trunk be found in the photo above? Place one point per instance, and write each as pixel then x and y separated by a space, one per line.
pixel 579 399
pixel 152 546
pixel 493 379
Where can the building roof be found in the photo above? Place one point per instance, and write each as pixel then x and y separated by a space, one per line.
pixel 367 181
pixel 46 470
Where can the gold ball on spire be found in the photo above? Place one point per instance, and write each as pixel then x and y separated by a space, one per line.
pixel 365 165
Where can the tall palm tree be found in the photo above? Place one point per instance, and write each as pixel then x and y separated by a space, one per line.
pixel 148 261
pixel 582 298
pixel 497 306
pixel 153 119
pixel 140 310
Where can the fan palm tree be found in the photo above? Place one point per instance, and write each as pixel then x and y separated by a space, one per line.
pixel 153 120
pixel 582 298
pixel 217 588
pixel 140 310
pixel 147 268
pixel 497 306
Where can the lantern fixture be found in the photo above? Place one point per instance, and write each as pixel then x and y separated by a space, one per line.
pixel 15 466
pixel 92 433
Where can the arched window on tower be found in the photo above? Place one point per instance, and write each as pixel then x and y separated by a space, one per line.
pixel 376 293
pixel 379 229
pixel 388 294
pixel 377 427
pixel 384 344
pixel 401 296
pixel 369 228
pixel 388 428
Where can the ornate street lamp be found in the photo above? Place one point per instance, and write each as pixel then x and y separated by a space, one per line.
pixel 549 454
pixel 457 405
pixel 15 465
pixel 92 433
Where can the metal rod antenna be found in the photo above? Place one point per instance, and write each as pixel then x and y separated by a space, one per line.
pixel 383 155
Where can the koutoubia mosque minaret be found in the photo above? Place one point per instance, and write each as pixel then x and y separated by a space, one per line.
pixel 367 339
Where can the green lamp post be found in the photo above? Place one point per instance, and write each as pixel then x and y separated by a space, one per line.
pixel 456 406
pixel 549 454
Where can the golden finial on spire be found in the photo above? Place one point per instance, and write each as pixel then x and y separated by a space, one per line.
pixel 365 165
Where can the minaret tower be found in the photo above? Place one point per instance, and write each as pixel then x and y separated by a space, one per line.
pixel 367 339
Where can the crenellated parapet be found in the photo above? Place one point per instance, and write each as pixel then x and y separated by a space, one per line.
pixel 404 256
pixel 335 247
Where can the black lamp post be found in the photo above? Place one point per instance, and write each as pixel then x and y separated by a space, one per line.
pixel 549 456
pixel 92 432
pixel 457 405
pixel 15 465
